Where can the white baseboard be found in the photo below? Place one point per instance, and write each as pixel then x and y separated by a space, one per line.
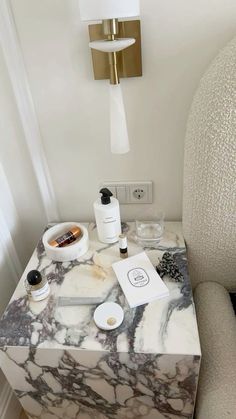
pixel 10 408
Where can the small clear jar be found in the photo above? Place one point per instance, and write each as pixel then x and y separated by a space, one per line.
pixel 37 287
pixel 149 232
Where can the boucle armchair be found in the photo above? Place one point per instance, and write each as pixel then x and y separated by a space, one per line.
pixel 209 223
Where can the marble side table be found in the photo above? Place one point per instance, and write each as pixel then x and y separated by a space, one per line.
pixel 60 365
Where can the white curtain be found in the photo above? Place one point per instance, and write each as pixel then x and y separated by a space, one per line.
pixel 10 266
pixel 27 199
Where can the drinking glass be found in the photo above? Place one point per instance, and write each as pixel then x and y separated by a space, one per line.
pixel 150 232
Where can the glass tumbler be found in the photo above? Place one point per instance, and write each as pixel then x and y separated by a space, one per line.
pixel 150 232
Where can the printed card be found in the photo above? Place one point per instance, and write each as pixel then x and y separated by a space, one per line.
pixel 139 280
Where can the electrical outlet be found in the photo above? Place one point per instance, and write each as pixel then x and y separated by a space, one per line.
pixel 131 192
pixel 140 193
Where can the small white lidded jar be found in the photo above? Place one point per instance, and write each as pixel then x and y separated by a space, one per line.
pixel 37 287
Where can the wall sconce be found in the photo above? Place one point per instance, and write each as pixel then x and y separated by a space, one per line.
pixel 116 56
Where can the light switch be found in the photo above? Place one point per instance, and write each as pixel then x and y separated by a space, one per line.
pixel 121 194
pixel 131 192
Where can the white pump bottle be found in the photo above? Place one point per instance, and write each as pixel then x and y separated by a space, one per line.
pixel 107 215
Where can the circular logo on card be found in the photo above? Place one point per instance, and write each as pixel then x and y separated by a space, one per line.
pixel 138 277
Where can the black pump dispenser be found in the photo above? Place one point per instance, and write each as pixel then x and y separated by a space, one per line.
pixel 106 196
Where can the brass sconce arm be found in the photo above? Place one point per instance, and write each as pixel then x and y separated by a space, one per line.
pixel 111 29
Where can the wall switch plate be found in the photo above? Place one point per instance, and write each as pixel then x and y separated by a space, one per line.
pixel 139 192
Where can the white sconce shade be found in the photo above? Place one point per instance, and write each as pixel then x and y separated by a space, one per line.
pixel 118 126
pixel 108 9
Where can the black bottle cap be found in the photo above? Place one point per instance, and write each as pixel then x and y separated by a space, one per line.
pixel 106 196
pixel 34 277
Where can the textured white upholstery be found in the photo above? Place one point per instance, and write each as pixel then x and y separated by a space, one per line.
pixel 209 203
pixel 217 326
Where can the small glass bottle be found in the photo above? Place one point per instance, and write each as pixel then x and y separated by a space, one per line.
pixel 123 246
pixel 37 287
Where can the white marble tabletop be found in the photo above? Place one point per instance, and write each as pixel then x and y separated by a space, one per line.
pixel 166 326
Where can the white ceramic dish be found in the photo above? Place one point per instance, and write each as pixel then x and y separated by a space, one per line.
pixel 108 316
pixel 68 253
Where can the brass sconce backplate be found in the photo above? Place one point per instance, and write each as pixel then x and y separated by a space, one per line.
pixel 129 60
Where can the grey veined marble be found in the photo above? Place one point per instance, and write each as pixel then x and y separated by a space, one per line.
pixel 61 365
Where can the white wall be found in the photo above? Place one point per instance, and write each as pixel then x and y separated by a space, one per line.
pixel 179 40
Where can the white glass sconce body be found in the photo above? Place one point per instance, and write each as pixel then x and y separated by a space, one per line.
pixel 118 126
